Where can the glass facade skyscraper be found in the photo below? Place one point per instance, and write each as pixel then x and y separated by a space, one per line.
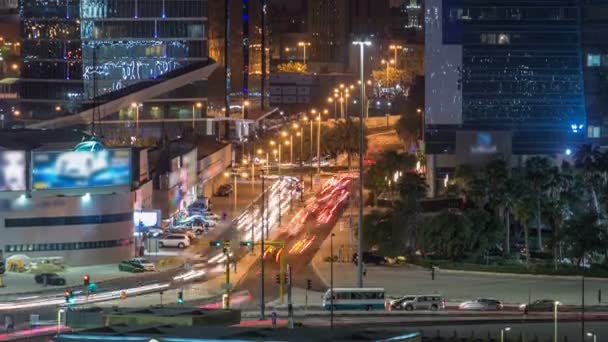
pixel 51 52
pixel 516 66
pixel 504 78
pixel 76 50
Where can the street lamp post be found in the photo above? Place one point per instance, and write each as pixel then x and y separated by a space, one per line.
pixel 362 44
pixel 555 304
pixel 299 134
pixel 502 333
pixel 590 334
pixel 331 100
pixel 279 164
pixel 264 223
pixel 325 111
pixel 304 45
pixel 195 105
pixel 136 106
pixel 245 104
pixel 396 48
pixel 331 277
pixel 388 63
pixel 314 111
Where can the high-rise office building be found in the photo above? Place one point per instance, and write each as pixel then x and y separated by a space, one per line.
pixel 328 26
pixel 595 68
pixel 77 50
pixel 501 79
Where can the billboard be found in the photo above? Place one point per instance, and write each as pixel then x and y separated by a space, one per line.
pixel 12 170
pixel 81 169
pixel 146 218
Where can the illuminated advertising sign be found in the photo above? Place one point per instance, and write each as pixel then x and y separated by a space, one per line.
pixel 146 218
pixel 12 170
pixel 81 169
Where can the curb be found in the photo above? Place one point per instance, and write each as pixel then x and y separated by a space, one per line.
pixel 519 275
pixel 57 289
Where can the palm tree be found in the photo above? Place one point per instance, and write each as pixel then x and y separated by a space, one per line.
pixel 591 162
pixel 523 212
pixel 499 190
pixel 537 173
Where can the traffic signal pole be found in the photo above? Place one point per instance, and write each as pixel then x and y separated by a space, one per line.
pixel 227 285
pixel 282 277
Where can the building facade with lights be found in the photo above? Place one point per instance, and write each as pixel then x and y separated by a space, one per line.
pixel 77 54
pixel 49 210
pixel 502 80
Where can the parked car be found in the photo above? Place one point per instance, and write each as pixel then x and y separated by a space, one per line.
pixel 483 304
pixel 181 230
pixel 424 302
pixel 539 305
pixel 224 190
pixel 174 240
pixel 130 266
pixel 198 220
pixel 147 265
pixel 51 279
pixel 371 258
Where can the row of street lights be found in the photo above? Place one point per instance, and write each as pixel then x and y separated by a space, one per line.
pixel 555 305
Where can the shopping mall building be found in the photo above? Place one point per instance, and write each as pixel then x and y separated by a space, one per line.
pixel 62 198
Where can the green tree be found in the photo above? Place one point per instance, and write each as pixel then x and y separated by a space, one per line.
pixel 537 171
pixel 378 232
pixel 408 127
pixel 342 137
pixel 593 167
pixel 411 188
pixel 456 236
pixel 387 164
pixel 501 189
pixel 523 212
pixel 585 234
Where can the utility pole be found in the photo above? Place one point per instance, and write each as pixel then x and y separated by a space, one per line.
pixel 264 223
pixel 289 304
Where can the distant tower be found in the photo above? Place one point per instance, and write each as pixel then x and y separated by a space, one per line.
pixel 245 54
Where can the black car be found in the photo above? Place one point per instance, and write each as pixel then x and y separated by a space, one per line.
pixel 49 278
pixel 224 190
pixel 371 258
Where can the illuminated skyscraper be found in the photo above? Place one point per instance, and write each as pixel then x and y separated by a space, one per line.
pixel 76 50
pixel 502 79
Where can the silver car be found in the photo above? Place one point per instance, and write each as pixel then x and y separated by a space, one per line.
pixel 482 304
pixel 423 302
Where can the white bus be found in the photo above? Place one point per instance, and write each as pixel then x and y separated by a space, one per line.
pixel 355 299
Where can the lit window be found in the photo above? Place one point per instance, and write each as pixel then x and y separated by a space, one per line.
pixel 504 39
pixel 593 132
pixel 593 60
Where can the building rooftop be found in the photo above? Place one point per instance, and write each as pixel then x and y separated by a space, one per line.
pixel 30 139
